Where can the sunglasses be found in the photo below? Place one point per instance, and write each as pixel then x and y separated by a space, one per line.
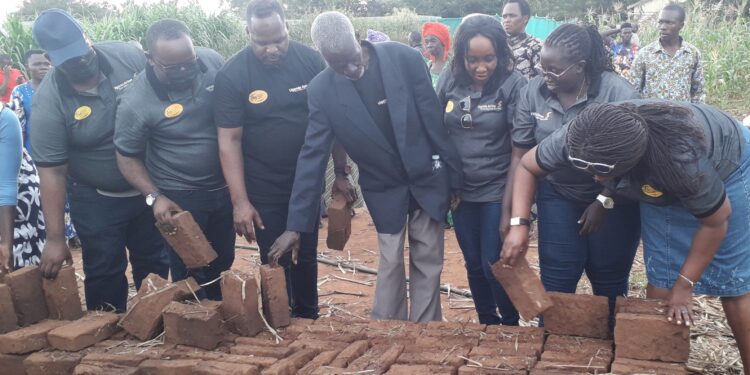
pixel 597 168
pixel 175 67
pixel 556 76
pixel 466 121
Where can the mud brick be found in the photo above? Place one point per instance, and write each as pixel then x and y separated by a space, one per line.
pixel 319 345
pixel 651 338
pixel 449 356
pixel 506 349
pixel 350 353
pixel 12 364
pixel 421 369
pixel 572 344
pixel 470 370
pixel 596 359
pixel 224 368
pixel 28 339
pixel 339 222
pixel 448 329
pixel 290 365
pixel 261 341
pixel 170 367
pixel 333 330
pixel 634 366
pixel 524 288
pixel 569 367
pixel 144 319
pixel 262 351
pixel 429 341
pixel 378 359
pixel 55 362
pixel 8 318
pixel 329 370
pixel 84 332
pixel 103 368
pixel 28 296
pixel 275 299
pixel 322 359
pixel 239 306
pixel 341 337
pixel 578 315
pixel 504 362
pixel 514 330
pixel 150 284
pixel 196 325
pixel 186 352
pixel 188 241
pixel 535 371
pixel 61 294
pixel 639 306
pixel 132 360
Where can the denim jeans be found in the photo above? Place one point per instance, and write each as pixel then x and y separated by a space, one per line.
pixel 477 228
pixel 605 255
pixel 107 226
pixel 302 278
pixel 212 210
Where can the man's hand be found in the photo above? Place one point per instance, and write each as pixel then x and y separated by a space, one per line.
pixel 164 208
pixel 515 245
pixel 6 258
pixel 246 218
pixel 287 242
pixel 54 254
pixel 592 218
pixel 455 199
pixel 679 304
pixel 344 185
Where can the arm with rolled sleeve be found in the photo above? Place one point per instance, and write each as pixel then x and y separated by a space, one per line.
pixel 698 81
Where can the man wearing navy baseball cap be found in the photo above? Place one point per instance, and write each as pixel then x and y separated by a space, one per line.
pixel 74 122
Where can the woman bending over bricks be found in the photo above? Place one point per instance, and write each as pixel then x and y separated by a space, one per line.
pixel 689 167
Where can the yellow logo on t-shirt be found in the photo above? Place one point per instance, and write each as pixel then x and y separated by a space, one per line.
pixel 449 107
pixel 82 112
pixel 258 96
pixel 173 110
pixel 650 191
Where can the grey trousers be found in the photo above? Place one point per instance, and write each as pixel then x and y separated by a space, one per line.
pixel 425 265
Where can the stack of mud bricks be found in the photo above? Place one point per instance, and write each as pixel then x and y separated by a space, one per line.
pixel 645 342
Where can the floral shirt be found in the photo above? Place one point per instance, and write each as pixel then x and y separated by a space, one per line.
pixel 656 74
pixel 623 57
pixel 526 52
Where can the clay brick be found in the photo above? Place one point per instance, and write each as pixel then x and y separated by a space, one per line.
pixel 651 338
pixel 378 359
pixel 275 299
pixel 103 368
pixel 524 288
pixel 350 353
pixel 8 318
pixel 339 222
pixel 319 345
pixel 185 352
pixel 634 366
pixel 420 369
pixel 55 362
pixel 639 306
pixel 290 365
pixel 506 349
pixel 28 297
pixel 450 329
pixel 132 360
pixel 261 341
pixel 239 306
pixel 12 364
pixel 596 359
pixel 150 284
pixel 328 370
pixel 170 367
pixel 569 367
pixel 578 315
pixel 504 362
pixel 341 337
pixel 572 344
pixel 28 339
pixel 144 319
pixel 431 341
pixel 84 332
pixel 471 370
pixel 196 325
pixel 514 330
pixel 449 356
pixel 188 241
pixel 262 351
pixel 535 371
pixel 322 359
pixel 61 294
pixel 224 368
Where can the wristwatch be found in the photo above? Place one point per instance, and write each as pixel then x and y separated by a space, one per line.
pixel 606 201
pixel 517 221
pixel 151 198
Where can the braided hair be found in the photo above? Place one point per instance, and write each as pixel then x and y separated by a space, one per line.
pixel 653 141
pixel 582 43
pixel 492 29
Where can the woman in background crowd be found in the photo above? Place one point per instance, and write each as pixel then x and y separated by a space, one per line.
pixel 437 41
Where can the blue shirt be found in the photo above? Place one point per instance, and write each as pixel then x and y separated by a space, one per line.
pixel 10 156
pixel 20 100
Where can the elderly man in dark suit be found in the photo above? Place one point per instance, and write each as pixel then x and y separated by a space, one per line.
pixel 377 101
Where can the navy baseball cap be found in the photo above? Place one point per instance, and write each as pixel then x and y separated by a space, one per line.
pixel 60 35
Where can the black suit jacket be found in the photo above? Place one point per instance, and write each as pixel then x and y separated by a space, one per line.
pixel 386 176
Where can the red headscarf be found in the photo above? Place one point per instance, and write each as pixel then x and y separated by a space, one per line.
pixel 441 32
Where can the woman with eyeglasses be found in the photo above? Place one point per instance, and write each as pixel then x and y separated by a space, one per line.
pixel 582 227
pixel 689 167
pixel 479 92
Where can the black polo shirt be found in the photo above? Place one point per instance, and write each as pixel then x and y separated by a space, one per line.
pixel 270 104
pixel 174 131
pixel 77 128
pixel 724 141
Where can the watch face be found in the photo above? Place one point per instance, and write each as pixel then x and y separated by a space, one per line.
pixel 149 200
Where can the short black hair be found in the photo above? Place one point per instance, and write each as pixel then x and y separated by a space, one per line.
pixel 490 28
pixel 264 8
pixel 168 28
pixel 415 36
pixel 626 24
pixel 523 5
pixel 676 8
pixel 31 52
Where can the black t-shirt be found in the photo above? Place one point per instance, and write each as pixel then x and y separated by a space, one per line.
pixel 372 92
pixel 270 104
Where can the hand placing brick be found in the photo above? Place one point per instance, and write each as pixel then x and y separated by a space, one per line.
pixel 524 288
pixel 188 241
pixel 578 315
pixel 28 297
pixel 275 298
pixel 651 338
pixel 61 294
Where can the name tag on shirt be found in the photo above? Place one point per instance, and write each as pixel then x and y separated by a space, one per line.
pixel 383 102
pixel 491 107
pixel 541 117
pixel 298 89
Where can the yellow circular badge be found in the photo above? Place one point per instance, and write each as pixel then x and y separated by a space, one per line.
pixel 258 96
pixel 173 110
pixel 82 112
pixel 651 192
pixel 449 106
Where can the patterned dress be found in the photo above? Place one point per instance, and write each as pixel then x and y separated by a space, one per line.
pixel 527 53
pixel 29 230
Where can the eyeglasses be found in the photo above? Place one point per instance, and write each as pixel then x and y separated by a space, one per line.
pixel 466 120
pixel 597 168
pixel 175 67
pixel 556 76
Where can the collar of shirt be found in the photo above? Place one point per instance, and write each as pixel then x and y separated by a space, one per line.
pixel 104 66
pixel 161 89
pixel 684 48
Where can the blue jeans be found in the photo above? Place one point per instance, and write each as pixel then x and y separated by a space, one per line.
pixel 477 227
pixel 106 226
pixel 606 255
pixel 302 278
pixel 212 210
